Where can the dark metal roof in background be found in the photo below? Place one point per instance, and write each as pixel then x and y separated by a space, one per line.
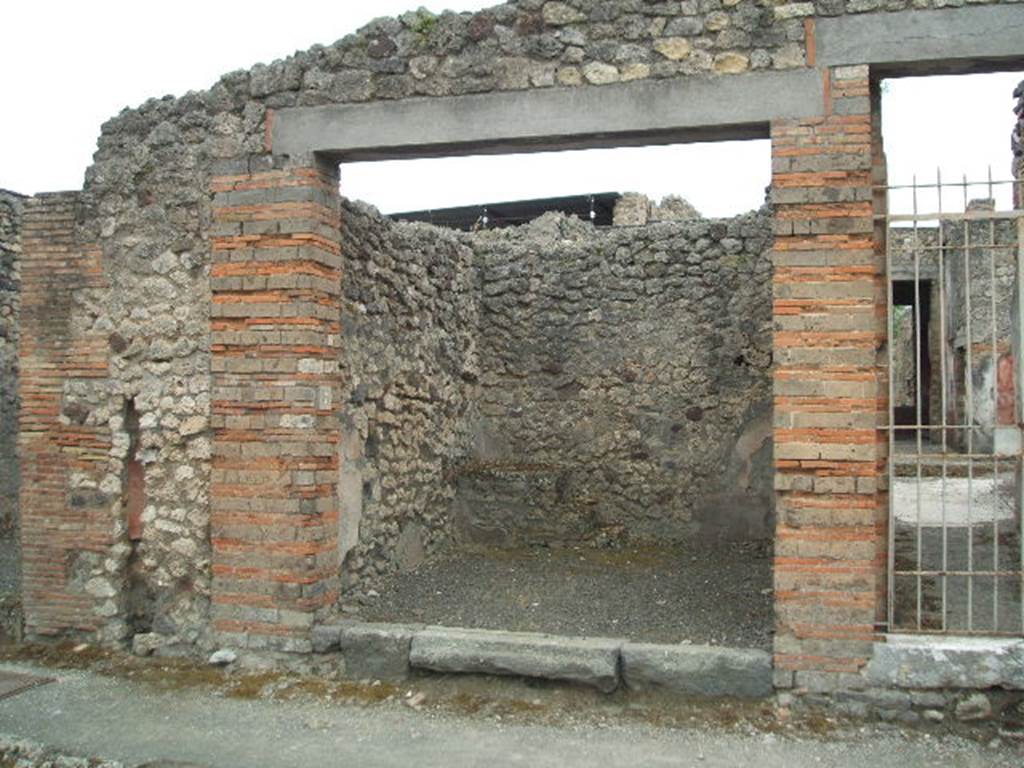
pixel 514 213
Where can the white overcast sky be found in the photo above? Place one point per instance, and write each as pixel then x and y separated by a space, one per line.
pixel 68 66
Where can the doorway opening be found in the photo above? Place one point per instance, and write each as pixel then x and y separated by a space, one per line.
pixel 954 260
pixel 561 427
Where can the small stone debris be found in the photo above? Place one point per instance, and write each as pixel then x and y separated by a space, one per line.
pixel 146 643
pixel 415 700
pixel 223 657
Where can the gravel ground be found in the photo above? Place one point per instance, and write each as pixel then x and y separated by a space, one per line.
pixel 713 592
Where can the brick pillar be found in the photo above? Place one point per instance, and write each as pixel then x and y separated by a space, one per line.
pixel 830 396
pixel 68 523
pixel 275 333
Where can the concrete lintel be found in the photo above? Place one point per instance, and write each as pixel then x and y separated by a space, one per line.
pixel 950 39
pixel 641 112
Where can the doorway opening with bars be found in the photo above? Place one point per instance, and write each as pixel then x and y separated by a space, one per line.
pixel 954 260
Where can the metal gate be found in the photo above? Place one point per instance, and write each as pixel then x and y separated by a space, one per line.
pixel 954 260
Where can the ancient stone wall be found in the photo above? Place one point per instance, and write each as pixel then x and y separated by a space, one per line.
pixel 551 383
pixel 10 249
pixel 409 366
pixel 980 274
pixel 145 399
pixel 124 425
pixel 1017 146
pixel 625 393
pixel 981 253
pixel 634 209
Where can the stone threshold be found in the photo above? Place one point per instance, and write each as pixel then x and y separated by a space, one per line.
pixel 947 662
pixel 394 651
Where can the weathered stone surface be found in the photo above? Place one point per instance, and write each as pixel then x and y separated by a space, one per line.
pixel 675 208
pixel 325 637
pixel 731 63
pixel 947 32
pixel 10 280
pixel 1017 145
pixel 409 366
pixel 716 21
pixel 569 76
pixel 576 660
pixel 697 670
pixel 375 651
pixel 684 26
pixel 559 14
pixel 948 663
pixel 877 699
pixel 632 210
pixel 974 707
pixel 935 699
pixel 673 48
pixel 793 10
pixel 634 71
pixel 28 754
pixel 592 405
pixel 223 657
pixel 600 74
pixel 146 643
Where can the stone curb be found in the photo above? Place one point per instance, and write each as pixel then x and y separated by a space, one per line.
pixel 698 670
pixel 392 651
pixel 960 663
pixel 593 662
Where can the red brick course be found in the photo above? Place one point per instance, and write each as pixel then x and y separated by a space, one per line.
pixel 830 395
pixel 59 523
pixel 275 334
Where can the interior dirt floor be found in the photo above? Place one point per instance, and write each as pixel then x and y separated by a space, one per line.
pixel 709 592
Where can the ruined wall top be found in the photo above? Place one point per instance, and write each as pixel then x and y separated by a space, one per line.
pixel 147 190
pixel 523 44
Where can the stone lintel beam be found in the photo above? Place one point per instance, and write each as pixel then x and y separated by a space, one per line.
pixel 925 42
pixel 637 113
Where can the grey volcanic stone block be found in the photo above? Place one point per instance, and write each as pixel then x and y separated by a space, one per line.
pixel 377 651
pixel 739 106
pixel 919 662
pixel 325 638
pixel 592 662
pixel 697 670
pixel 943 35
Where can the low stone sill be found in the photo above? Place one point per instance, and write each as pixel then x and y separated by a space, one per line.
pixel 928 661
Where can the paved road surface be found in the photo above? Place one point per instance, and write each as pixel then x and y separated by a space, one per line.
pixel 85 713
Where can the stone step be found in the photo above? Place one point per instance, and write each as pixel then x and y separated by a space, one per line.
pixel 698 670
pixel 391 651
pixel 593 662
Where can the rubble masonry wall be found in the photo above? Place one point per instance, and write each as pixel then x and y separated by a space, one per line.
pixel 409 366
pixel 625 391
pixel 10 249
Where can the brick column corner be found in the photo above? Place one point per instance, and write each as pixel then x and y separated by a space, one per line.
pixel 829 388
pixel 275 336
pixel 68 521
